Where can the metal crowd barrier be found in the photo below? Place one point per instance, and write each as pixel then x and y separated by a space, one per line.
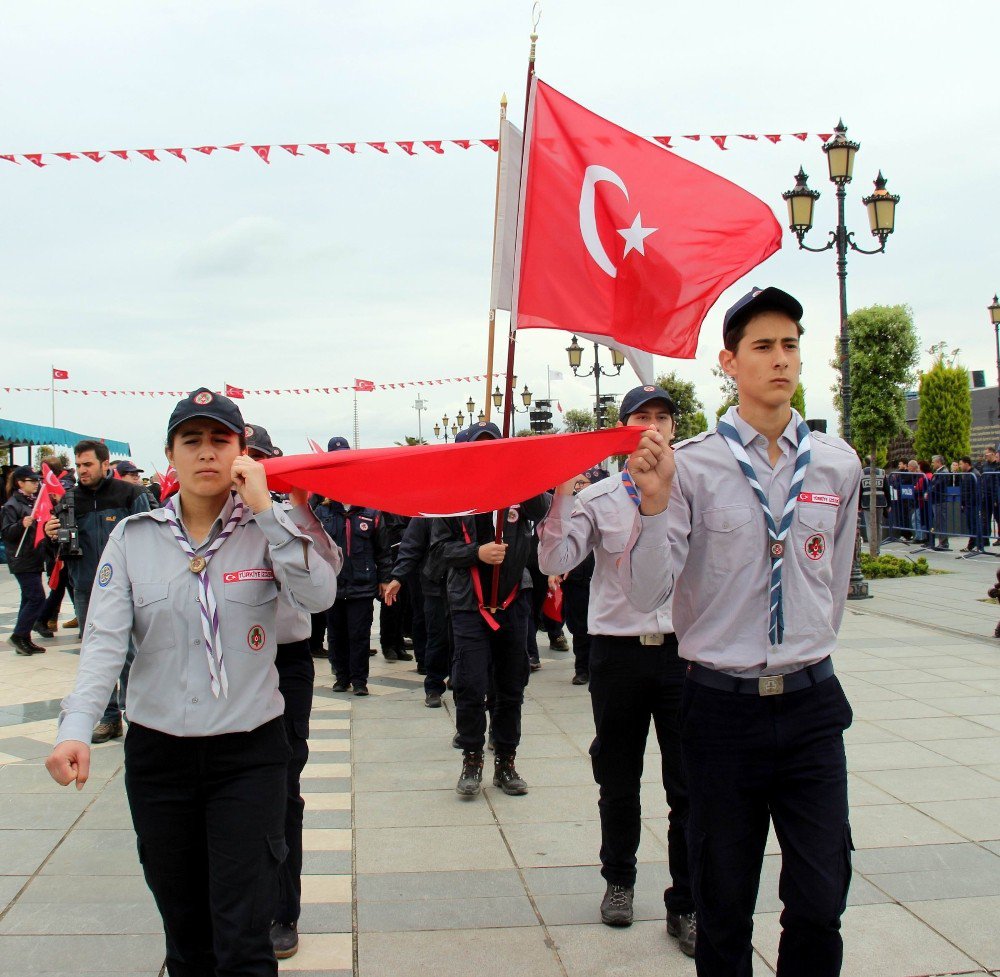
pixel 929 510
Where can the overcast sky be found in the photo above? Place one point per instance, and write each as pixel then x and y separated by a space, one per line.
pixel 313 271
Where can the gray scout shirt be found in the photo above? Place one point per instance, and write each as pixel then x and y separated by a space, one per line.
pixel 709 548
pixel 145 589
pixel 602 519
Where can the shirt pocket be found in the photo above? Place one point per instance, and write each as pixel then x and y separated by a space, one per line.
pixel 729 536
pixel 812 534
pixel 154 616
pixel 250 614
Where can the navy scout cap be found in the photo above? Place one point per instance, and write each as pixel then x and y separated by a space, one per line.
pixel 26 473
pixel 259 440
pixel 595 474
pixel 127 468
pixel 203 403
pixel 337 444
pixel 761 300
pixel 478 431
pixel 638 396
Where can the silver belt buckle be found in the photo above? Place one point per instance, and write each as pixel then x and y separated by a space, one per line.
pixel 651 639
pixel 771 684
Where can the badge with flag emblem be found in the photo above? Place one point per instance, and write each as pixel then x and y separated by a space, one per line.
pixel 256 638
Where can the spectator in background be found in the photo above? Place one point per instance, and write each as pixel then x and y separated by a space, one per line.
pixel 991 494
pixel 970 503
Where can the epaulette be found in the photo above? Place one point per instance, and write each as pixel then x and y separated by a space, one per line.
pixel 596 489
pixel 697 439
pixel 832 441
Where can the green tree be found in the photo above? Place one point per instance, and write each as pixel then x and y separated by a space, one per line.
pixel 730 397
pixel 576 420
pixel 691 418
pixel 944 424
pixel 799 400
pixel 409 441
pixel 42 451
pixel 884 351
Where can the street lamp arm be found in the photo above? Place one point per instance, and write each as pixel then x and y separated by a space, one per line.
pixel 589 373
pixel 860 250
pixel 832 243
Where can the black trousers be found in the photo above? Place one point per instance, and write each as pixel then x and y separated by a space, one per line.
pixel 318 631
pixel 209 815
pixel 390 626
pixel 576 605
pixel 296 674
pixel 631 684
pixel 32 603
pixel 350 625
pixel 414 613
pixel 437 651
pixel 750 758
pixel 481 653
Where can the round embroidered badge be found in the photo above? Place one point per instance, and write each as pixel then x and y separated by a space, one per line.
pixel 513 515
pixel 256 638
pixel 203 398
pixel 248 431
pixel 104 575
pixel 649 390
pixel 816 546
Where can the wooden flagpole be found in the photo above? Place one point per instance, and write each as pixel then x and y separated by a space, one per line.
pixel 493 312
pixel 508 401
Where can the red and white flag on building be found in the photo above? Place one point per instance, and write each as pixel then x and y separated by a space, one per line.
pixel 364 385
pixel 60 374
pixel 621 238
pixel 235 393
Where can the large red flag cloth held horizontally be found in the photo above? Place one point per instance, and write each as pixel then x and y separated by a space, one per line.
pixel 622 237
pixel 449 479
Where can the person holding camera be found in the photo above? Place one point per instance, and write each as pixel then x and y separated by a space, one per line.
pixel 96 505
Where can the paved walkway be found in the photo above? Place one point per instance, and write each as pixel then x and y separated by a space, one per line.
pixel 403 877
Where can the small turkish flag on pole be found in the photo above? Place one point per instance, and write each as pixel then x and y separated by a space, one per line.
pixel 364 385
pixel 60 374
pixel 51 482
pixel 236 393
pixel 623 238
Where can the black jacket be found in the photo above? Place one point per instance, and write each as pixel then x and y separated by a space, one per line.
pixel 414 556
pixel 455 542
pixel 361 535
pixel 32 559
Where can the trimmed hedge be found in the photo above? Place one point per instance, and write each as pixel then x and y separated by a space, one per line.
pixel 887 565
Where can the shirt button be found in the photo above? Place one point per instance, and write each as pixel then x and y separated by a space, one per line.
pixel 141 601
pixel 194 701
pixel 196 641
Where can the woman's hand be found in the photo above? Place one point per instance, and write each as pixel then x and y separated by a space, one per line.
pixel 250 481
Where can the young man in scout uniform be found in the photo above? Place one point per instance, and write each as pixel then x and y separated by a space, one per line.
pixel 751 528
pixel 635 675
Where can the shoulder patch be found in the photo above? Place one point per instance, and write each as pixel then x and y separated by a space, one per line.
pixel 832 441
pixel 697 439
pixel 597 489
pixel 104 575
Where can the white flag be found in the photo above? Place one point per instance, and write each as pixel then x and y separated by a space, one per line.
pixel 638 359
pixel 555 375
pixel 511 143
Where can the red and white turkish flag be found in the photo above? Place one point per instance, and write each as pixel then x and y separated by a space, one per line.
pixel 60 374
pixel 623 238
pixel 364 385
pixel 235 393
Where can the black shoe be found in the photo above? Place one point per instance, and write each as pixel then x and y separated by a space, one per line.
pixel 361 690
pixel 403 655
pixel 21 646
pixel 534 664
pixel 407 642
pixel 390 656
pixel 320 652
pixel 683 927
pixel 285 940
pixel 559 644
pixel 454 742
pixel 35 649
pixel 581 678
pixel 372 652
pixel 421 670
pixel 44 630
pixel 506 777
pixel 941 549
pixel 616 906
pixel 341 686
pixel 107 731
pixel 433 700
pixel 471 780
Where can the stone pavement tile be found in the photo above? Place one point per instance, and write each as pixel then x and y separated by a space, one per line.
pixel 437 724
pixel 969 752
pixel 927 730
pixel 25 748
pixel 539 745
pixel 322 954
pixel 326 918
pixel 325 889
pixel 907 708
pixel 109 852
pixel 892 756
pixel 329 734
pixel 319 767
pixel 407 750
pixel 569 723
pixel 890 677
pixel 860 793
pixel 325 723
pixel 95 889
pixel 990 722
pixel 28 778
pixel 990 686
pixel 575 772
pixel 78 955
pixel 934 783
pixel 426 774
pixel 896 825
pixel 326 819
pixel 570 843
pixel 642 950
pixel 327 801
pixel 988 770
pixel 966 672
pixel 326 863
pixel 325 785
pixel 486 912
pixel 324 747
pixel 577 908
pixel 883 939
pixel 21 852
pixel 110 810
pixel 976 819
pixel 577 803
pixel 931 871
pixel 861 893
pixel 943 690
pixel 6 758
pixel 87 918
pixel 421 849
pixel 42 810
pixel 569 705
pixel 326 839
pixel 433 886
pixel 966 922
pixel 861 731
pixel 10 885
pixel 430 808
pixel 484 953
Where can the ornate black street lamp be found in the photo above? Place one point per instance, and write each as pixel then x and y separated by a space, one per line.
pixel 575 353
pixel 995 319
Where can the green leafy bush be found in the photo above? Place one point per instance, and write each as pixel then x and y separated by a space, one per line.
pixel 887 565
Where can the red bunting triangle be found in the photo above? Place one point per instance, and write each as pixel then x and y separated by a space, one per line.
pixel 824 136
pixel 120 153
pixel 719 141
pixel 493 144
pixel 434 145
pixel 292 148
pixel 150 154
pixel 235 146
pixel 321 147
pixel 774 138
pixel 67 156
pixel 693 138
pixel 748 136
pixel 464 143
pixel 263 152
pixel 35 158
pixel 10 158
pixel 351 147
pixel 207 150
pixel 407 148
pixel 801 135
pixel 380 146
pixel 663 141
pixel 95 156
pixel 179 153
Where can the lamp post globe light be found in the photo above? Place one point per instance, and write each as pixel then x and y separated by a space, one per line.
pixel 575 354
pixel 881 206
pixel 994 311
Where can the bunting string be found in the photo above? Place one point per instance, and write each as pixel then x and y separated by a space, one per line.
pixel 239 393
pixel 407 147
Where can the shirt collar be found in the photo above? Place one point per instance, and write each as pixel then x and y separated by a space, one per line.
pixel 220 520
pixel 747 433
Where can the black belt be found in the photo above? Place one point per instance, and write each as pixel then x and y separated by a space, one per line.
pixel 765 684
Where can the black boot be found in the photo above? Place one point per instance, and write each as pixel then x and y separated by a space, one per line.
pixel 390 655
pixel 616 906
pixel 35 649
pixel 506 777
pixel 20 646
pixel 42 628
pixel 471 781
